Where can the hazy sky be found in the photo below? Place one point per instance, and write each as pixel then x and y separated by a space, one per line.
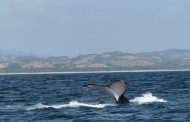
pixel 73 27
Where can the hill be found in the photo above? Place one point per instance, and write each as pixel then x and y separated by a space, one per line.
pixel 166 59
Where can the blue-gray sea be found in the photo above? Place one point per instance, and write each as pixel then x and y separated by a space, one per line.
pixel 154 97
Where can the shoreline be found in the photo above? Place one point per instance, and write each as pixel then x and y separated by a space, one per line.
pixel 95 72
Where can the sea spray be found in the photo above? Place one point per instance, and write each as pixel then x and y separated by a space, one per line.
pixel 72 104
pixel 146 98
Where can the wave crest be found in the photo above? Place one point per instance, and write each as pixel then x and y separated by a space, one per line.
pixel 71 104
pixel 144 99
pixel 147 98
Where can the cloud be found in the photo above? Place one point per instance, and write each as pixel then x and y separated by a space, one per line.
pixel 92 25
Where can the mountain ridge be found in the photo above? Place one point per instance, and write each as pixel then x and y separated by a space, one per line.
pixel 107 61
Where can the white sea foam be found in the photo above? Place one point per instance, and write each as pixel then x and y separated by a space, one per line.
pixel 146 98
pixel 71 104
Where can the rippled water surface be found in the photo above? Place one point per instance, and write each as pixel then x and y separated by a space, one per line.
pixel 154 97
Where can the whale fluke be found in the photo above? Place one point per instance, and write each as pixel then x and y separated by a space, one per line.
pixel 116 90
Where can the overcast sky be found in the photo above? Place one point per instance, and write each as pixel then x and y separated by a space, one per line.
pixel 73 27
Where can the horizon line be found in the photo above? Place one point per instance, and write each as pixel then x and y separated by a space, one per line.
pixel 95 72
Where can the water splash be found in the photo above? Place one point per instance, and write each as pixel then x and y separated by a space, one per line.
pixel 146 98
pixel 72 104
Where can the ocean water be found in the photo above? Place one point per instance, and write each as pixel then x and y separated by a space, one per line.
pixel 154 97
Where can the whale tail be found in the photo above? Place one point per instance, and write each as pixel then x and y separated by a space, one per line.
pixel 116 90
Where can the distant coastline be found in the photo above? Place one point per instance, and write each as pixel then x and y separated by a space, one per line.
pixel 94 72
pixel 166 60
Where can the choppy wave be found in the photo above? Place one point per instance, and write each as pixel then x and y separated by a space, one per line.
pixel 71 104
pixel 146 98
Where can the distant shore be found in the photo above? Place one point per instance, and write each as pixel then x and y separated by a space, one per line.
pixel 91 72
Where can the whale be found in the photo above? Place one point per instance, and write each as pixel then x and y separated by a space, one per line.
pixel 116 90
